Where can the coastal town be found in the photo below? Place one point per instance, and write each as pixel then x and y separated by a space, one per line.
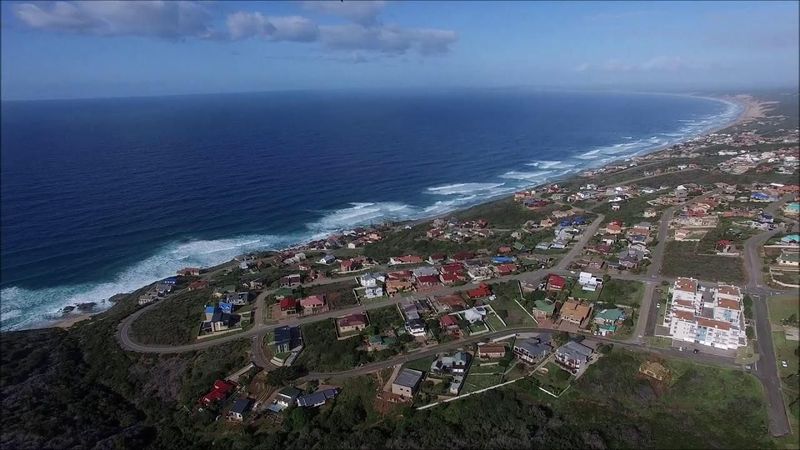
pixel 671 255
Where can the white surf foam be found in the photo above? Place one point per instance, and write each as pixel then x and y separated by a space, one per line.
pixel 463 188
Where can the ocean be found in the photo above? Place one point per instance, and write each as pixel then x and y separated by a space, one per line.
pixel 104 196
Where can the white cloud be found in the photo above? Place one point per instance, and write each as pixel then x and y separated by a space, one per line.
pixel 191 19
pixel 242 25
pixel 388 39
pixel 361 12
pixel 163 19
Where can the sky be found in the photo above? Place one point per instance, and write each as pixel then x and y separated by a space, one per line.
pixel 76 49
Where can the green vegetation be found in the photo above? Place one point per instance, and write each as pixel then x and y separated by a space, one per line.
pixel 555 379
pixel 337 295
pixel 422 364
pixel 622 292
pixel 505 306
pixel 683 414
pixel 681 260
pixel 505 213
pixel 630 212
pixel 475 382
pixel 783 311
pixel 175 321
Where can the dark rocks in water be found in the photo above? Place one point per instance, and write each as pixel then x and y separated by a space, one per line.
pixel 86 306
pixel 67 309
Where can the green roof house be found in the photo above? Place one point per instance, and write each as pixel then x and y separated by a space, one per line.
pixel 543 309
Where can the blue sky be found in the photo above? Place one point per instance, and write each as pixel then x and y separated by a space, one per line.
pixel 97 49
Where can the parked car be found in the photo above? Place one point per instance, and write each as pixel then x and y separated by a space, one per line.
pixel 784 364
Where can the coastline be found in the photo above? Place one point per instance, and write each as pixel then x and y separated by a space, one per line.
pixel 749 109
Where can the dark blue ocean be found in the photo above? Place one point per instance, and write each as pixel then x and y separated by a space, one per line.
pixel 104 196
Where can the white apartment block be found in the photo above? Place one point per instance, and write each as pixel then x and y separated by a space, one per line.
pixel 707 316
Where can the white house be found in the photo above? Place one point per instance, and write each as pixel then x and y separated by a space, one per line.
pixel 327 259
pixel 589 282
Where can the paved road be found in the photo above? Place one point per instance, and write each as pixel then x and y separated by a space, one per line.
pixel 767 366
pixel 702 358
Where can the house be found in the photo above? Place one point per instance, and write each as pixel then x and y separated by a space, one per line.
pixel 573 311
pixel 416 327
pixel 327 259
pixel 450 279
pixel 463 256
pixel 198 284
pixel 406 383
pixel 589 282
pixel 614 228
pixel 312 304
pixel 352 323
pixel 288 306
pixel 287 397
pixel 287 339
pixel 394 286
pixel 451 302
pixel 789 258
pixel 350 265
pixel 371 279
pixel 476 314
pixel 407 259
pixel 491 351
pixel 216 319
pixel 290 281
pixel 427 280
pixel 573 355
pixel 543 309
pixel 373 292
pixel 650 212
pixel 436 258
pixel 533 349
pixel 189 272
pixel 502 259
pixel 456 364
pixel 237 298
pixel 448 323
pixel 377 343
pixel 607 320
pixel 221 390
pixel 483 290
pixel 316 399
pixel 654 370
pixel 238 410
pixel 506 269
pixel 556 283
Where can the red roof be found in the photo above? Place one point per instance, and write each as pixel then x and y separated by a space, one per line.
pixel 400 275
pixel 288 303
pixel 481 291
pixel 221 390
pixel 555 281
pixel 199 284
pixel 428 279
pixel 450 277
pixel 507 268
pixel 313 301
pixel 448 321
pixel 353 319
pixel 461 256
pixel 452 268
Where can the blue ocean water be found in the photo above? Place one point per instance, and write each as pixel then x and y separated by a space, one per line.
pixel 104 196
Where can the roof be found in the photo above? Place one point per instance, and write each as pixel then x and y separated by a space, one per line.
pixel 556 280
pixel 575 349
pixel 790 256
pixel 575 309
pixel 352 320
pixel 408 378
pixel 532 346
pixel 290 392
pixel 729 290
pixel 317 398
pixel 428 279
pixel 613 315
pixel 313 300
pixel 492 348
pixel 240 406
pixel 544 305
pixel 288 303
pixel 448 321
pixel 686 284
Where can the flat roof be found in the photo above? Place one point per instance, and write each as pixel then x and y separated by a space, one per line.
pixel 408 378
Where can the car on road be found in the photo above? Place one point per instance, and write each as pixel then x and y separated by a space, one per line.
pixel 784 364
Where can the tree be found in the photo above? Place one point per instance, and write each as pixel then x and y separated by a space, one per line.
pixel 282 375
pixel 560 337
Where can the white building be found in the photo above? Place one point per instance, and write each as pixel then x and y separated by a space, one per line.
pixel 706 316
pixel 589 282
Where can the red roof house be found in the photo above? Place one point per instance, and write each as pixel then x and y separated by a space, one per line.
pixel 506 269
pixel 448 322
pixel 199 284
pixel 483 290
pixel 555 283
pixel 428 280
pixel 222 389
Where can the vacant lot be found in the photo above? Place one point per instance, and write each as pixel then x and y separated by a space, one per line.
pixel 475 382
pixel 622 292
pixel 622 407
pixel 681 260
pixel 175 321
pixel 555 380
pixel 505 306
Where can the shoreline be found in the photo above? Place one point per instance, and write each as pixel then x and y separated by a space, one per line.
pixel 749 108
